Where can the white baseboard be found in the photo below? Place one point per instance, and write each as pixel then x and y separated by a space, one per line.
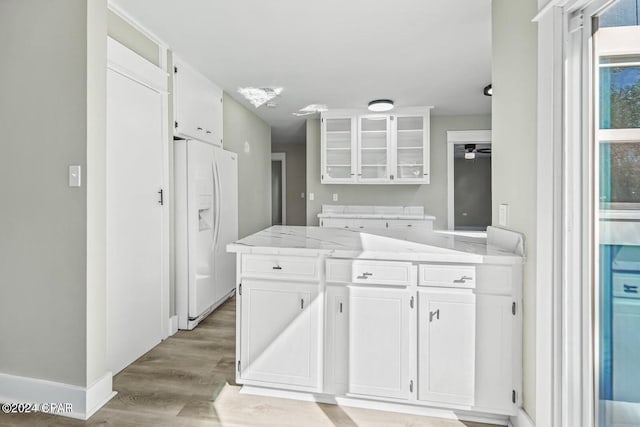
pixel 173 325
pixel 84 401
pixel 425 411
pixel 522 419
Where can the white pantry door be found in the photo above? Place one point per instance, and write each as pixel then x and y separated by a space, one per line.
pixel 134 220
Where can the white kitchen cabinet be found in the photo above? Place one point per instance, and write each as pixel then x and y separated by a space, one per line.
pixel 360 148
pixel 336 339
pixel 410 148
pixel 280 334
pixel 379 342
pixel 374 149
pixel 495 382
pixel 446 345
pixel 197 105
pixel 338 155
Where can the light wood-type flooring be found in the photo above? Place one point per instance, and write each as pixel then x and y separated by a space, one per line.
pixel 188 380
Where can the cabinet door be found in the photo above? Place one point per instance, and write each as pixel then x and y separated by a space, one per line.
pixel 411 148
pixel 280 333
pixel 197 105
pixel 373 149
pixel 379 342
pixel 494 355
pixel 336 339
pixel 337 153
pixel 446 346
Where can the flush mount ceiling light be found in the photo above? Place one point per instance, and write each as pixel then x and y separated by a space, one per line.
pixel 311 109
pixel 258 96
pixel 488 90
pixel 381 105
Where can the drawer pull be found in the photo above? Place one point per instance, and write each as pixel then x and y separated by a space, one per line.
pixel 463 279
pixel 302 303
pixel 435 314
pixel 277 267
pixel 367 274
pixel 631 289
pixel 362 277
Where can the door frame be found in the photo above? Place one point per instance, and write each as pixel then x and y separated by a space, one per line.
pixel 459 137
pixel 282 158
pixel 126 62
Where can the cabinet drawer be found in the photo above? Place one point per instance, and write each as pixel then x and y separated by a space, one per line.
pixel 336 222
pixel 382 272
pixel 409 224
pixel 455 276
pixel 338 270
pixel 286 267
pixel 371 224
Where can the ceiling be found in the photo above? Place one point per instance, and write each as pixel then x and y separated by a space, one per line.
pixel 342 53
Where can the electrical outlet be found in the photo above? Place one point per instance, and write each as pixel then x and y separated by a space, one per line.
pixel 75 176
pixel 311 196
pixel 503 215
pixel 302 195
pixel 335 197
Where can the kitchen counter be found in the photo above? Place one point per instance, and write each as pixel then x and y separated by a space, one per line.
pixel 500 246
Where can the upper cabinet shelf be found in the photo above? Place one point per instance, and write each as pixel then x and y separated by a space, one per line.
pixel 197 105
pixel 375 148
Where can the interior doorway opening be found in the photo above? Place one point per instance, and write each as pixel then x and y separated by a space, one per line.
pixel 278 189
pixel 469 180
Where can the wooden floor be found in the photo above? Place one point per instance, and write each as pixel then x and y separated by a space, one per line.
pixel 188 380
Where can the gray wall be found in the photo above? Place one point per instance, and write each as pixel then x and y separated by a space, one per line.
pixel 51 254
pixel 296 181
pixel 432 196
pixel 472 189
pixel 250 137
pixel 514 106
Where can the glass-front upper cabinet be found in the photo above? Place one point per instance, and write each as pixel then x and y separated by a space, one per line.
pixel 374 148
pixel 337 152
pixel 362 148
pixel 411 148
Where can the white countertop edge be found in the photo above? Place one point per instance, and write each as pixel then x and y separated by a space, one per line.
pixel 393 256
pixel 376 216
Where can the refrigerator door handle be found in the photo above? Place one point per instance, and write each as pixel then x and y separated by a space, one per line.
pixel 216 198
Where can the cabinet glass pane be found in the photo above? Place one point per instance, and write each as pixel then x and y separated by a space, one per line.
pixel 374 172
pixel 338 125
pixel 410 172
pixel 373 124
pixel 338 157
pixel 339 172
pixel 374 157
pixel 410 132
pixel 411 156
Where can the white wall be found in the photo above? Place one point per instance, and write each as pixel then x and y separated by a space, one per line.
pixel 432 196
pixel 514 107
pixel 51 253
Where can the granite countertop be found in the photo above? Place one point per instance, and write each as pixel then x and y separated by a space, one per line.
pixel 405 245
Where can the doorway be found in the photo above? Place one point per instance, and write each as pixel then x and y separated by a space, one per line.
pixel 278 189
pixel 469 180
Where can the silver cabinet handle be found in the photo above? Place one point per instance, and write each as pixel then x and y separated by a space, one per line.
pixel 411 386
pixel 362 277
pixel 367 274
pixel 277 267
pixel 463 279
pixel 435 314
pixel 631 289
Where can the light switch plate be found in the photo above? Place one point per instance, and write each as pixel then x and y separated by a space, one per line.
pixel 75 176
pixel 503 215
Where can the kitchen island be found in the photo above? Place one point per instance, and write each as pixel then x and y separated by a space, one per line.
pixel 426 323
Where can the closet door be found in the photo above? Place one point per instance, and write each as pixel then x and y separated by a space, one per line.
pixel 134 219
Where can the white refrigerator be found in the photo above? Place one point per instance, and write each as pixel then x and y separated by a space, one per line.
pixel 206 220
